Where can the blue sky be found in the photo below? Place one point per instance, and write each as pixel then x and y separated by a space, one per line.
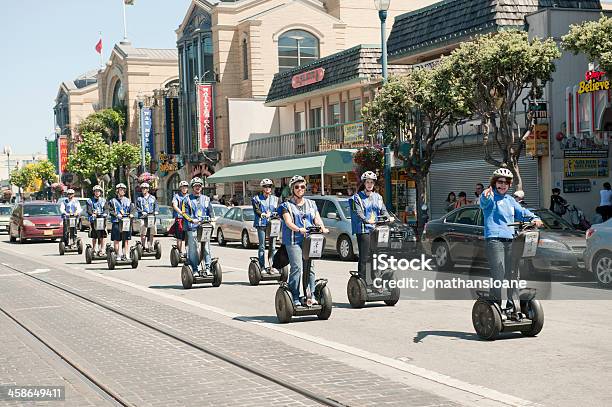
pixel 46 42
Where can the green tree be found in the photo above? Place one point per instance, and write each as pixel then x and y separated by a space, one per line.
pixel 93 157
pixel 108 122
pixel 23 177
pixel 125 156
pixel 45 171
pixel 593 38
pixel 496 70
pixel 411 111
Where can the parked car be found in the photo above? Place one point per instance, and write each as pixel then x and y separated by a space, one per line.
pixel 5 217
pixel 598 253
pixel 38 220
pixel 163 220
pixel 219 211
pixel 237 226
pixel 458 238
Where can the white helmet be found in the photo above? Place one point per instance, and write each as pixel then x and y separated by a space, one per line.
pixel 197 180
pixel 97 188
pixel 70 192
pixel 368 175
pixel 519 194
pixel 183 184
pixel 144 185
pixel 503 172
pixel 295 180
pixel 120 185
pixel 265 182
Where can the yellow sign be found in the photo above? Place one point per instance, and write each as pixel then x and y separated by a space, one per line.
pixel 353 133
pixel 591 86
pixel 586 168
pixel 537 142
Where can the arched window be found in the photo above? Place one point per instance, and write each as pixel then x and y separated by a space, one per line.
pixel 245 59
pixel 296 48
pixel 173 186
pixel 118 95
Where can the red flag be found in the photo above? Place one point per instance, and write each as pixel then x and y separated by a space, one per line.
pixel 99 47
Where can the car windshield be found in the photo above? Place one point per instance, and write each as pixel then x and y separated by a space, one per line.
pixel 248 214
pixel 552 221
pixel 345 208
pixel 219 210
pixel 5 210
pixel 41 210
pixel 165 210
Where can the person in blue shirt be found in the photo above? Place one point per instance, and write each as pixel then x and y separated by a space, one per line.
pixel 298 214
pixel 194 209
pixel 119 208
pixel 264 205
pixel 95 208
pixel 366 207
pixel 146 205
pixel 69 207
pixel 499 209
pixel 177 205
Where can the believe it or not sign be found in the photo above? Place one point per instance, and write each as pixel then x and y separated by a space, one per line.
pixel 593 82
pixel 586 167
pixel 537 142
pixel 539 110
pixel 63 153
pixel 307 78
pixel 206 117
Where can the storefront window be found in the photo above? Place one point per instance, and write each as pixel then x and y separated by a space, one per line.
pixel 334 114
pixel 315 117
pixel 206 62
pixel 299 121
pixel 355 110
pixel 296 48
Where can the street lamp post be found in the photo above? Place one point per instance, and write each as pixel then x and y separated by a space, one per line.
pixel 382 6
pixel 8 151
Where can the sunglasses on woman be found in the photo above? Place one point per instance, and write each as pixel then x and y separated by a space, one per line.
pixel 299 187
pixel 503 182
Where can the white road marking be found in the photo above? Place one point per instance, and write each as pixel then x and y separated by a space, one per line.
pixel 38 308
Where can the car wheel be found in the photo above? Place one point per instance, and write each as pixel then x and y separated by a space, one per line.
pixel 602 269
pixel 22 239
pixel 12 238
pixel 442 256
pixel 244 240
pixel 344 248
pixel 220 238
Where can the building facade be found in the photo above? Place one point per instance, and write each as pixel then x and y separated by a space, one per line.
pixel 76 99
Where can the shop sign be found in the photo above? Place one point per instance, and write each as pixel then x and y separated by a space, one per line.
pixel 353 133
pixel 585 153
pixel 537 142
pixel 593 82
pixel 206 125
pixel 539 110
pixel 168 163
pixel 576 185
pixel 586 167
pixel 307 78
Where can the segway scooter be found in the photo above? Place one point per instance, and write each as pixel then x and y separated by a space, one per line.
pixel 312 248
pixel 256 274
pixel 149 223
pixel 527 314
pixel 360 291
pixel 75 244
pixel 177 257
pixel 111 256
pixel 216 274
pixel 99 224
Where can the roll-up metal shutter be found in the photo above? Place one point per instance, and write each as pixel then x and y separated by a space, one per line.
pixel 461 168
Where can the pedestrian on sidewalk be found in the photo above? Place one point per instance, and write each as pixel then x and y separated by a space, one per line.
pixel 605 202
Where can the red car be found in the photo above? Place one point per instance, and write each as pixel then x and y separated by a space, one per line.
pixel 39 220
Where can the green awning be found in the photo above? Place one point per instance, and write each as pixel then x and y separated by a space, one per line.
pixel 335 161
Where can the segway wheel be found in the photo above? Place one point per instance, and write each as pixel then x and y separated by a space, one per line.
pixel 217 274
pixel 174 257
pixel 326 303
pixel 186 277
pixel 395 295
pixel 254 273
pixel 88 255
pixel 535 312
pixel 134 258
pixel 111 259
pixel 158 250
pixel 139 250
pixel 79 246
pixel 284 305
pixel 486 320
pixel 356 292
pixel 62 248
pixel 284 274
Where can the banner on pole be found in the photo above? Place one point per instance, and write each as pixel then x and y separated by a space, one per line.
pixel 206 117
pixel 147 122
pixel 63 153
pixel 52 152
pixel 172 126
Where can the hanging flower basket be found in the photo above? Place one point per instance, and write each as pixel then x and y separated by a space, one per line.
pixel 149 179
pixel 370 158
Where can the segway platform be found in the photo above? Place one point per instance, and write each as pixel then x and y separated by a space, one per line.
pixel 91 255
pixel 257 275
pixel 215 278
pixel 113 261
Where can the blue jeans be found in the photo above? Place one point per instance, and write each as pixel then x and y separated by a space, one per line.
pixel 499 254
pixel 193 244
pixel 294 252
pixel 261 252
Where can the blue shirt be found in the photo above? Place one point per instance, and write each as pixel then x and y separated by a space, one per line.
pixel 303 217
pixel 263 204
pixel 70 207
pixel 499 210
pixel 148 205
pixel 178 201
pixel 195 208
pixel 371 206
pixel 95 205
pixel 118 207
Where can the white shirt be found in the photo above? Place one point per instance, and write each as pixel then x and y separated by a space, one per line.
pixel 606 197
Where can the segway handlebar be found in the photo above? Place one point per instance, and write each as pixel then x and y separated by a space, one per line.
pixel 522 225
pixel 313 229
pixel 382 220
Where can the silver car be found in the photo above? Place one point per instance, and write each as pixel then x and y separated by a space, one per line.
pixel 598 253
pixel 5 217
pixel 219 211
pixel 237 226
pixel 163 220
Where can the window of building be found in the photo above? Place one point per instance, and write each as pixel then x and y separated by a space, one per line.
pixel 299 120
pixel 315 117
pixel 334 114
pixel 245 59
pixel 296 48
pixel 206 61
pixel 118 95
pixel 355 110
